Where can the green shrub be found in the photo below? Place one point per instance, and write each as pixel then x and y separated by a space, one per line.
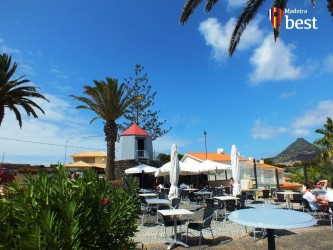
pixel 54 212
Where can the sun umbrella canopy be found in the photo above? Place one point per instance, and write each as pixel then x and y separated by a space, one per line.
pixel 141 168
pixel 185 169
pixel 235 170
pixel 78 164
pixel 174 172
pixel 212 167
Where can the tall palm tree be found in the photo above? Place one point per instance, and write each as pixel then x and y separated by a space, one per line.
pixel 109 103
pixel 248 13
pixel 327 140
pixel 13 94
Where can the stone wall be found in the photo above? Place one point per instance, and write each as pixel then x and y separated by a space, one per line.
pixel 122 165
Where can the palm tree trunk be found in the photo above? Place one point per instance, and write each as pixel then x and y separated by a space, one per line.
pixel 110 130
pixel 2 113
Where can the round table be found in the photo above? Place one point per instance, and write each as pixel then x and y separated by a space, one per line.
pixel 272 219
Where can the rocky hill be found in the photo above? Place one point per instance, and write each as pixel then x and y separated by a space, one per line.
pixel 300 150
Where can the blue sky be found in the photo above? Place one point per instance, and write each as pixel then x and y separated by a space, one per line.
pixel 262 99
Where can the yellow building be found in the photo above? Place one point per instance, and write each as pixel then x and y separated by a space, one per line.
pixel 86 160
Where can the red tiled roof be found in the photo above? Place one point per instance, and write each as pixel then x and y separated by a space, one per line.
pixel 211 156
pixel 135 130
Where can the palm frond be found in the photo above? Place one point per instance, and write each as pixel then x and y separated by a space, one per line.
pixel 209 5
pixel 330 6
pixel 246 16
pixel 188 10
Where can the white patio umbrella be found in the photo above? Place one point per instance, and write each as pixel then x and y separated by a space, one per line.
pixel 235 170
pixel 141 168
pixel 185 169
pixel 212 167
pixel 174 173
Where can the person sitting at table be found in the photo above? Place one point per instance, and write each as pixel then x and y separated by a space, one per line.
pixel 314 202
pixel 232 182
pixel 162 194
pixel 183 186
pixel 329 195
pixel 159 186
pixel 320 188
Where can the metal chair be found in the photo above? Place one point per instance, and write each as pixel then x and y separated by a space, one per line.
pixel 166 221
pixel 297 198
pixel 204 224
pixel 306 205
pixel 331 214
pixel 175 202
pixel 266 194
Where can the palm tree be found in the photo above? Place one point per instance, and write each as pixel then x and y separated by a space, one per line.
pixel 327 140
pixel 248 13
pixel 109 103
pixel 13 94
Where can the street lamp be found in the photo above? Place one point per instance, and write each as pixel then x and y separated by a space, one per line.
pixel 205 133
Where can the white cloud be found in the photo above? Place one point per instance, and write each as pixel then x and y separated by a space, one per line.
pixel 59 73
pixel 274 61
pixel 264 131
pixel 163 144
pixel 236 3
pixel 328 63
pixel 218 36
pixel 300 126
pixel 42 140
pixel 7 50
pixel 314 118
pixel 286 95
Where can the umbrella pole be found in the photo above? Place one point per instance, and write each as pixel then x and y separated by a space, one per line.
pixel 277 179
pixel 142 179
pixel 255 172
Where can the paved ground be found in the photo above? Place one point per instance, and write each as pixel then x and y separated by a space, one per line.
pixel 316 237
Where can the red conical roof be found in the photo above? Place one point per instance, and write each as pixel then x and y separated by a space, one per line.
pixel 135 130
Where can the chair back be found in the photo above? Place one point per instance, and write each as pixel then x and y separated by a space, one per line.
pixel 207 217
pixel 280 197
pixel 306 205
pixel 331 207
pixel 230 205
pixel 298 197
pixel 164 218
pixel 175 202
pixel 241 201
pixel 191 196
pixel 210 202
pixel 143 201
pixel 266 193
pixel 227 190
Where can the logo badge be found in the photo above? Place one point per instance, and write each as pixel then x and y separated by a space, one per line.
pixel 275 16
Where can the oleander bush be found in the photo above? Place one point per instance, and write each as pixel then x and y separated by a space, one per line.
pixel 55 212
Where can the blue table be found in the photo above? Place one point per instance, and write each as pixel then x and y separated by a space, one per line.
pixel 272 219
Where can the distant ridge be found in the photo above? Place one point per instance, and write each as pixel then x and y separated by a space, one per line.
pixel 298 151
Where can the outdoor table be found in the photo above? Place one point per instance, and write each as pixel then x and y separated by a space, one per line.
pixel 226 198
pixel 263 205
pixel 272 219
pixel 148 195
pixel 158 202
pixel 190 189
pixel 175 213
pixel 287 194
pixel 204 193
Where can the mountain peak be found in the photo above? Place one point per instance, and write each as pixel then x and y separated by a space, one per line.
pixel 299 150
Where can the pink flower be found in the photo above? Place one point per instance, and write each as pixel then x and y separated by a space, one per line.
pixel 105 201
